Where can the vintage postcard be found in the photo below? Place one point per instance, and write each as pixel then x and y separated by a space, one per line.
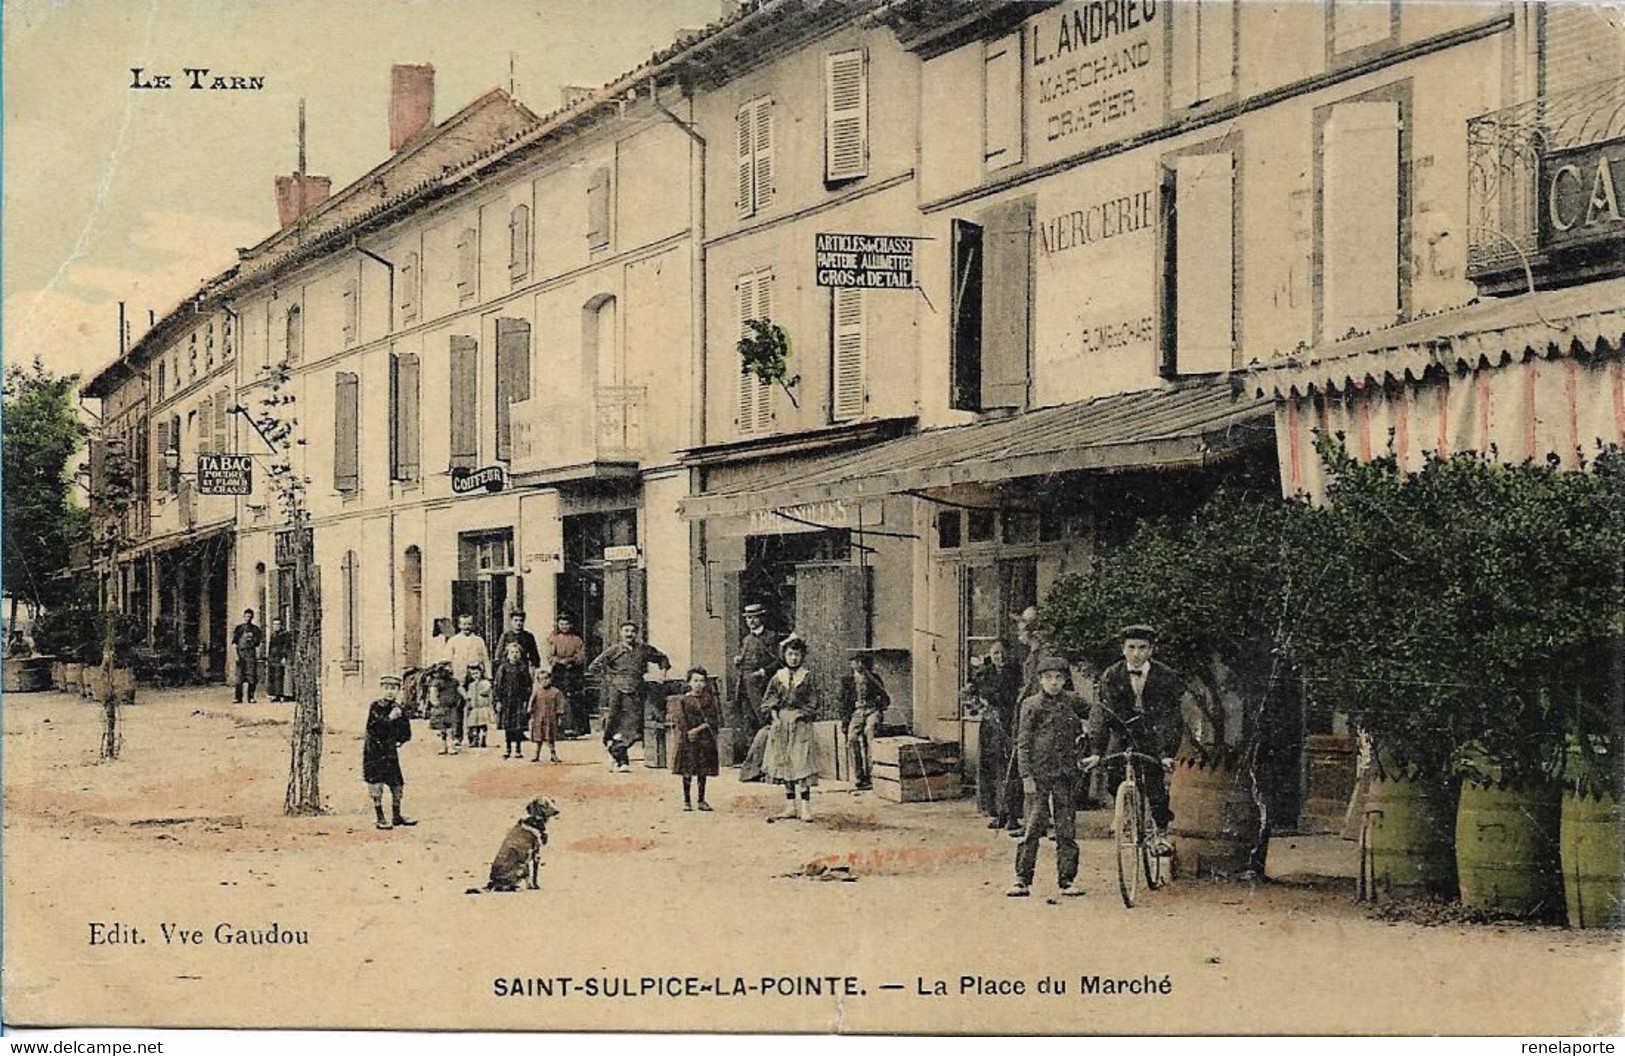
pixel 864 516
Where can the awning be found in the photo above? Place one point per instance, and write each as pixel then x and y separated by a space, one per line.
pixel 1580 321
pixel 1166 428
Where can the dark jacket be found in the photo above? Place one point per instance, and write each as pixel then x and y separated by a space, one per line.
pixel 694 721
pixel 247 638
pixel 510 695
pixel 1047 737
pixel 380 752
pixel 999 688
pixel 1152 724
pixel 281 647
pixel 622 666
pixel 527 647
pixel 877 697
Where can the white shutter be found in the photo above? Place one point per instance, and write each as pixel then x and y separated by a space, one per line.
pixel 764 389
pixel 846 115
pixel 1185 21
pixel 1001 102
pixel 764 153
pixel 1360 218
pixel 847 354
pixel 745 136
pixel 745 294
pixel 1214 64
pixel 1356 23
pixel 1203 268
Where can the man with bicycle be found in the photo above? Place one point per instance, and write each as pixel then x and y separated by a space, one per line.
pixel 1138 709
pixel 1047 735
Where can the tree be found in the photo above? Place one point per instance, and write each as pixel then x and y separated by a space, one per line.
pixel 113 488
pixel 42 433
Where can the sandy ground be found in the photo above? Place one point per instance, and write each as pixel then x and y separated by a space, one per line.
pixel 185 829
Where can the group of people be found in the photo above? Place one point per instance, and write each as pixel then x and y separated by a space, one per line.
pixel 247 640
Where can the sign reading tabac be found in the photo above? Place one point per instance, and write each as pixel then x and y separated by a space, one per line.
pixel 1094 74
pixel 225 474
pixel 866 262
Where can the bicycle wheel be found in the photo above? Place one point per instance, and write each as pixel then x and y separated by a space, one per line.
pixel 1156 866
pixel 1128 843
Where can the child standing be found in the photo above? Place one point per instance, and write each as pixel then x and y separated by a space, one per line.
pixel 478 716
pixel 387 729
pixel 548 706
pixel 694 718
pixel 445 708
pixel 510 692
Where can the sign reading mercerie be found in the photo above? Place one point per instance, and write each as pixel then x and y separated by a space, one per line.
pixel 225 474
pixel 866 262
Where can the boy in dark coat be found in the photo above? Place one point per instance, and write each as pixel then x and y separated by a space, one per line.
pixel 278 654
pixel 1047 758
pixel 387 729
pixel 1139 709
pixel 864 701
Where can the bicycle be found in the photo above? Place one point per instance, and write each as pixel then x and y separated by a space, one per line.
pixel 1139 840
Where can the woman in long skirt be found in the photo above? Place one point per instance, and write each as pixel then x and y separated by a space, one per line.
pixel 791 699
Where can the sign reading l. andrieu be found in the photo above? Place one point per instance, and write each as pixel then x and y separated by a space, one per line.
pixel 866 262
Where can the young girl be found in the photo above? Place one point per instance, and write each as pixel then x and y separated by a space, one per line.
pixel 445 708
pixel 694 719
pixel 510 692
pixel 547 711
pixel 791 699
pixel 477 699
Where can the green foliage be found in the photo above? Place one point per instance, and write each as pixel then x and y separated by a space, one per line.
pixel 42 433
pixel 765 351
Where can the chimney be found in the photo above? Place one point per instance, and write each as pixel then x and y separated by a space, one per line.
pixel 411 102
pixel 290 205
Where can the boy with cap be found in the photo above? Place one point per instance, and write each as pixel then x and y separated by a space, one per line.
pixel 1047 735
pixel 387 729
pixel 864 701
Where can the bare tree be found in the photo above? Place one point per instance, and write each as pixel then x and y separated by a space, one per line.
pixel 113 484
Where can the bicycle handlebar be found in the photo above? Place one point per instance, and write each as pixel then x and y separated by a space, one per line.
pixel 1123 755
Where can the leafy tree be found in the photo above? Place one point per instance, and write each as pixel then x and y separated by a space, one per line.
pixel 42 433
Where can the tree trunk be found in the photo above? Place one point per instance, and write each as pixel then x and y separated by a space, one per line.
pixel 305 761
pixel 110 715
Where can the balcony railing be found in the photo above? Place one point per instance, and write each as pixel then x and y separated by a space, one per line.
pixel 569 434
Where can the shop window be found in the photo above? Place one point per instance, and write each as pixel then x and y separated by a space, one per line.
pixel 1203 66
pixel 405 418
pixel 1002 102
pixel 346 432
pixel 519 243
pixel 847 353
pixel 598 209
pixel 512 379
pixel 992 595
pixel 846 115
pixel 753 135
pixel 1360 218
pixel 949 530
pixel 1198 274
pixel 980 526
pixel 1019 526
pixel 465 407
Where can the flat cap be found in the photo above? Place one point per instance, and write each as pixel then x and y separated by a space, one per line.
pixel 1139 630
pixel 389 680
pixel 754 609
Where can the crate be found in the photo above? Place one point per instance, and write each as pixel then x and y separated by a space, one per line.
pixel 654 745
pixel 916 770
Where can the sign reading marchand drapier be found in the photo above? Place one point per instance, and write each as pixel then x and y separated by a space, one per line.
pixel 869 262
pixel 1094 74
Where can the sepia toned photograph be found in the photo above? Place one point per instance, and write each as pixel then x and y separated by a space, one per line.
pixel 952 517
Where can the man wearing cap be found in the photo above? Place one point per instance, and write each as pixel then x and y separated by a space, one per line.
pixel 864 701
pixel 1047 736
pixel 1138 709
pixel 622 668
pixel 387 729
pixel 567 656
pixel 247 637
pixel 758 659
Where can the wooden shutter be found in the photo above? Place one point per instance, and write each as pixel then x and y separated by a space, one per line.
pixel 1203 272
pixel 352 313
pixel 1001 102
pixel 160 444
pixel 512 379
pixel 465 411
pixel 764 153
pixel 174 486
pixel 1214 61
pixel 846 115
pixel 966 340
pixel 519 242
pixel 1360 218
pixel 598 209
pixel 205 426
pixel 222 421
pixel 847 354
pixel 346 431
pixel 755 301
pixel 468 262
pixel 403 417
pixel 745 138
pixel 1006 303
pixel 409 287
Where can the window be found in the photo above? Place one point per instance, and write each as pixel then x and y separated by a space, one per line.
pixel 512 380
pixel 1360 260
pixel 1198 298
pixel 754 294
pixel 174 445
pixel 1360 23
pixel 404 418
pixel 753 131
pixel 293 335
pixel 346 432
pixel 468 264
pixel 352 312
pixel 1001 102
pixel 980 526
pixel 991 321
pixel 519 243
pixel 410 282
pixel 160 379
pixel 465 407
pixel 1203 51
pixel 965 349
pixel 222 421
pixel 228 334
pixel 598 209
pixel 846 115
pixel 191 355
pixel 349 573
pixel 948 530
pixel 847 348
pixel 208 347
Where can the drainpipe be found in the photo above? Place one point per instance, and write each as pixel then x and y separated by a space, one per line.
pixel 697 275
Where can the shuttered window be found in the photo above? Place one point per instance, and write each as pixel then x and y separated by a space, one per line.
pixel 222 421
pixel 352 312
pixel 1203 51
pixel 1360 23
pixel 519 243
pixel 846 115
pixel 754 296
pixel 161 379
pixel 1007 237
pixel 598 209
pixel 1201 279
pixel 753 136
pixel 965 349
pixel 404 418
pixel 1360 218
pixel 465 407
pixel 160 446
pixel 346 432
pixel 847 350
pixel 293 335
pixel 1001 102
pixel 512 380
pixel 468 264
pixel 175 445
pixel 409 283
pixel 350 578
pixel 205 434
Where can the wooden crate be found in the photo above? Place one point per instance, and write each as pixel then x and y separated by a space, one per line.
pixel 829 750
pixel 916 789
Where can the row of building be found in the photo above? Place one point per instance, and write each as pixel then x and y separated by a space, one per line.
pixel 1045 269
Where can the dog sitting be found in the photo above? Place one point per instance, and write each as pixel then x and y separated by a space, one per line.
pixel 521 851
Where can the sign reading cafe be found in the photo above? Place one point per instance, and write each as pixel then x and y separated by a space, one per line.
pixel 1579 195
pixel 866 262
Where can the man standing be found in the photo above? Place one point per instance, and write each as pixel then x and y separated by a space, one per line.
pixel 622 667
pixel 278 654
pixel 527 642
pixel 757 660
pixel 465 648
pixel 1047 758
pixel 387 729
pixel 567 656
pixel 1138 709
pixel 864 701
pixel 246 638
pixel 996 683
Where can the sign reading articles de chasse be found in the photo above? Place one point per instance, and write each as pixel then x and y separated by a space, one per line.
pixel 868 262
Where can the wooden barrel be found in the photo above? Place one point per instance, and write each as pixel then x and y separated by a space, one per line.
pixel 1330 761
pixel 1410 837
pixel 1217 829
pixel 1506 848
pixel 1591 855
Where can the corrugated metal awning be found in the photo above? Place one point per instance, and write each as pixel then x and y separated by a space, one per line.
pixel 1580 321
pixel 1163 428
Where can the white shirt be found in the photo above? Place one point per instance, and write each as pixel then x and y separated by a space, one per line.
pixel 465 649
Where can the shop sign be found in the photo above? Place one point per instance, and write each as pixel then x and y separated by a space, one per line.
pixel 812 516
pixel 1094 74
pixel 491 478
pixel 1579 195
pixel 621 553
pixel 865 262
pixel 225 474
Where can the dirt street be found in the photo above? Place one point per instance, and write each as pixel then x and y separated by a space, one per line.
pixel 186 830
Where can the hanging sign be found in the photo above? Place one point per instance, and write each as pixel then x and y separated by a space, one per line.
pixel 491 478
pixel 865 262
pixel 225 474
